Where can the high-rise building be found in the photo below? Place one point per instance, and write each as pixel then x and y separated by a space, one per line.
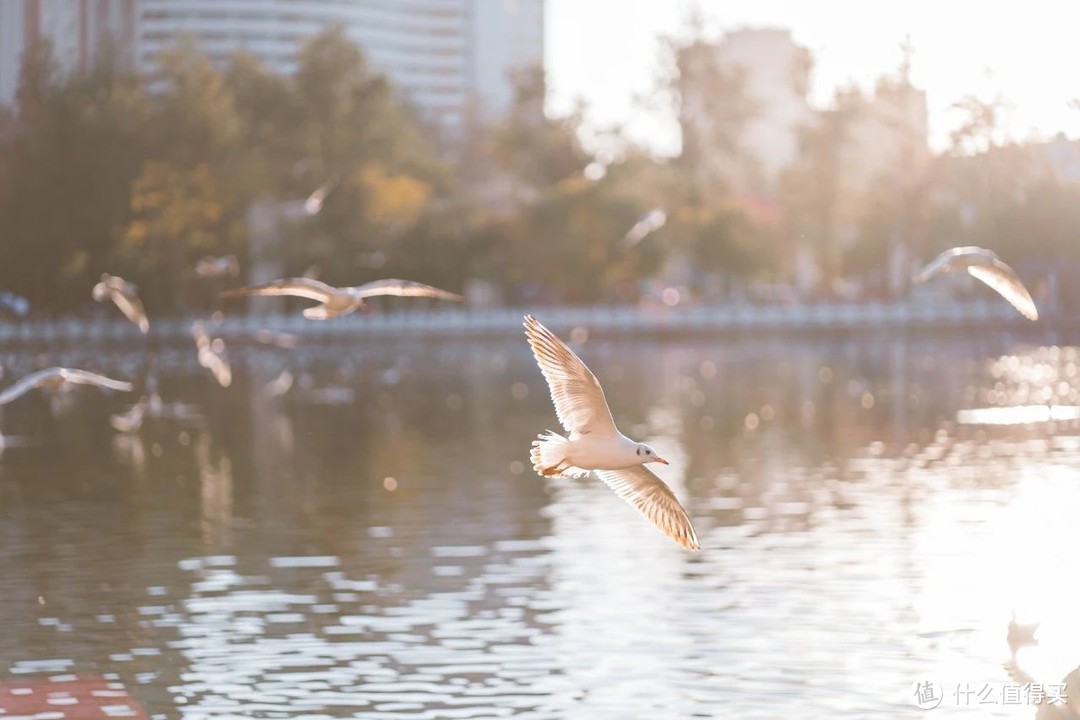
pixel 743 100
pixel 776 75
pixel 446 57
pixel 80 32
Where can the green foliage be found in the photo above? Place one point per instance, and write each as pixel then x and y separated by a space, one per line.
pixel 533 148
pixel 143 176
pixel 70 154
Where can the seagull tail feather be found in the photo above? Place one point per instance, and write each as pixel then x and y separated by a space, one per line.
pixel 549 452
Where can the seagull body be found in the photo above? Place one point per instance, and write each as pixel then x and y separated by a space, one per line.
pixel 216 267
pixel 594 443
pixel 125 296
pixel 340 301
pixel 984 265
pixel 56 377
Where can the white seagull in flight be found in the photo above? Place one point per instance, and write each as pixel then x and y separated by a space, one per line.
pixel 56 377
pixel 594 443
pixel 650 222
pixel 126 297
pixel 340 301
pixel 984 265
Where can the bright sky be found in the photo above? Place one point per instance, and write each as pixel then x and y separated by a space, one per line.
pixel 606 52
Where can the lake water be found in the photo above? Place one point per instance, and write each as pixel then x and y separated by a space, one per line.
pixel 371 542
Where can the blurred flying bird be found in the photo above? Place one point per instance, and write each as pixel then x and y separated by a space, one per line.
pixel 313 205
pixel 216 267
pixel 14 305
pixel 211 355
pixel 650 222
pixel 340 301
pixel 280 385
pixel 594 443
pixel 126 297
pixel 310 206
pixel 56 377
pixel 984 265
pixel 131 420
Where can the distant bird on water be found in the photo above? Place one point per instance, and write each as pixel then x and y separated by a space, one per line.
pixel 56 377
pixel 125 296
pixel 594 443
pixel 984 265
pixel 340 301
pixel 216 267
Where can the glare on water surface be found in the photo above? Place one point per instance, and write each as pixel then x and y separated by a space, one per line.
pixel 370 541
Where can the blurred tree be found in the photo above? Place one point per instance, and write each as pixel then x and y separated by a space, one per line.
pixel 271 157
pixel 221 140
pixel 814 187
pixel 980 126
pixel 713 107
pixel 730 241
pixel 894 203
pixel 541 226
pixel 72 150
pixel 353 130
pixel 179 198
pixel 176 214
pixel 709 228
pixel 537 150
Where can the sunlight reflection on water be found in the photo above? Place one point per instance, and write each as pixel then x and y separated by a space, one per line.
pixel 248 557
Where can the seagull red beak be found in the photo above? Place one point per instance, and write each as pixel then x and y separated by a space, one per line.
pixel 661 460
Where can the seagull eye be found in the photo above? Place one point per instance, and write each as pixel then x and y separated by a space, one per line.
pixel 648 452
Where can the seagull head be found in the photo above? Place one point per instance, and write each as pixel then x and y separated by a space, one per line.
pixel 647 455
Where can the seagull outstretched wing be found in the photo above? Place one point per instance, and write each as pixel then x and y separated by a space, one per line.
pixel 85 377
pixel 579 400
pixel 402 288
pixel 1001 278
pixel 295 287
pixel 642 488
pixel 986 266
